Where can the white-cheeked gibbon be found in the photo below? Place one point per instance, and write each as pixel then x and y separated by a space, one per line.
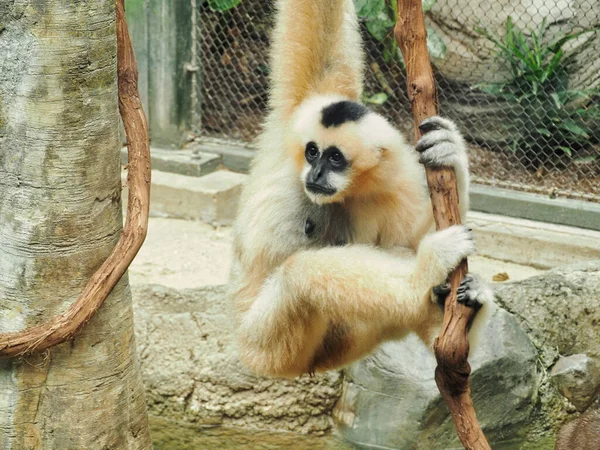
pixel 331 251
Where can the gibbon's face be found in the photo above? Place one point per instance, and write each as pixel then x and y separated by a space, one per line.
pixel 333 147
pixel 324 172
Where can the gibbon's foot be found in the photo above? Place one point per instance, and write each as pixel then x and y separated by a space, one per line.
pixel 441 144
pixel 469 293
pixel 440 294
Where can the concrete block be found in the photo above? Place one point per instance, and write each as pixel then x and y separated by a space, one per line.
pixel 212 199
pixel 562 211
pixel 537 244
pixel 235 157
pixel 183 162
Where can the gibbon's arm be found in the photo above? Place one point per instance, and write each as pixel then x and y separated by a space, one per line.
pixel 442 145
pixel 316 49
pixel 325 308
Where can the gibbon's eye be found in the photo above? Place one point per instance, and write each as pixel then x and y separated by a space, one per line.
pixel 311 152
pixel 336 157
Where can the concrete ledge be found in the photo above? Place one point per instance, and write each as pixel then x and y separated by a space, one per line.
pixel 212 199
pixel 561 211
pixel 234 157
pixel 183 162
pixel 536 244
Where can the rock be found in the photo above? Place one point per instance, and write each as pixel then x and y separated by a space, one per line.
pixel 192 374
pixel 470 58
pixel 390 399
pixel 559 310
pixel 211 198
pixel 577 377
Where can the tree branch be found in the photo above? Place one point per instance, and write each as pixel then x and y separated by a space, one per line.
pixel 451 347
pixel 63 327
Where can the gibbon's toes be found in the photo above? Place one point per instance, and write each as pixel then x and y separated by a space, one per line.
pixel 440 294
pixel 470 294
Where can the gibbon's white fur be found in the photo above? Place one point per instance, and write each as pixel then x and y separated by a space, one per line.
pixel 331 252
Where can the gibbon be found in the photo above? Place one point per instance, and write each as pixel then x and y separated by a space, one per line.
pixel 331 255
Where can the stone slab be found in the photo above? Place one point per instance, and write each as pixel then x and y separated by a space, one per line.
pixel 212 199
pixel 537 244
pixel 182 162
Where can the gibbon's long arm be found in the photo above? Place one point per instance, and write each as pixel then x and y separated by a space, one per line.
pixel 316 49
pixel 442 146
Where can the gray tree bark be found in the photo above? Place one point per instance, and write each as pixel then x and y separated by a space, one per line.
pixel 60 216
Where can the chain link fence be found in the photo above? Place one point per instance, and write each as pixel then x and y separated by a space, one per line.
pixel 520 78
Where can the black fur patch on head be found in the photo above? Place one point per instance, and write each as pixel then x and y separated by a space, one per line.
pixel 341 112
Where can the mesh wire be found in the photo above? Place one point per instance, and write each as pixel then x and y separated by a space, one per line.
pixel 518 139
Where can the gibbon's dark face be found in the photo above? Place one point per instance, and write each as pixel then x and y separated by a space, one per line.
pixel 339 146
pixel 325 171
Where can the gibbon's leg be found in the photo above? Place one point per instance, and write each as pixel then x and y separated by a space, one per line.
pixel 324 308
pixel 442 145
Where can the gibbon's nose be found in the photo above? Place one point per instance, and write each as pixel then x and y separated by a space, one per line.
pixel 316 174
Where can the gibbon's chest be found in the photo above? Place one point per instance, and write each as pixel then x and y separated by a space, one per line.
pixel 335 225
pixel 325 225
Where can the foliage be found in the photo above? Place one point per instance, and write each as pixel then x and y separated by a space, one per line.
pixel 380 17
pixel 223 5
pixel 567 119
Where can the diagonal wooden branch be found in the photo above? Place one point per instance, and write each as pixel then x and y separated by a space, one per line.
pixel 63 327
pixel 451 347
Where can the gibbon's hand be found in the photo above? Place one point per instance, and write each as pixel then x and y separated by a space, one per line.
pixel 441 144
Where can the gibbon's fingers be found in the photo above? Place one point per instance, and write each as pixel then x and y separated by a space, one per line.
pixel 436 123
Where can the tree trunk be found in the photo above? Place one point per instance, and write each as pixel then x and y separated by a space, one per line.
pixel 60 216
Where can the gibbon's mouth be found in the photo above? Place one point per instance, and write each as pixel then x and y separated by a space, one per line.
pixel 318 189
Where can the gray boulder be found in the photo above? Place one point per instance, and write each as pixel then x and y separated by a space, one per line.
pixel 191 372
pixel 560 311
pixel 577 377
pixel 390 399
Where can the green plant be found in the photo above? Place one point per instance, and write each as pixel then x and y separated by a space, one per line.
pixel 556 117
pixel 223 5
pixel 380 17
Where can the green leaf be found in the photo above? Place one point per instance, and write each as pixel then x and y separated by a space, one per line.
pixel 567 150
pixel 556 98
pixel 377 99
pixel 585 159
pixel 558 43
pixel 369 9
pixel 544 132
pixel 223 5
pixel 572 127
pixel 427 4
pixel 380 26
pixel 435 44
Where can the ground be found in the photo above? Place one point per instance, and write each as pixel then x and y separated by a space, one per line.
pixel 189 254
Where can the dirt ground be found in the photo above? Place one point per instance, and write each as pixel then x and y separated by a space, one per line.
pixel 187 254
